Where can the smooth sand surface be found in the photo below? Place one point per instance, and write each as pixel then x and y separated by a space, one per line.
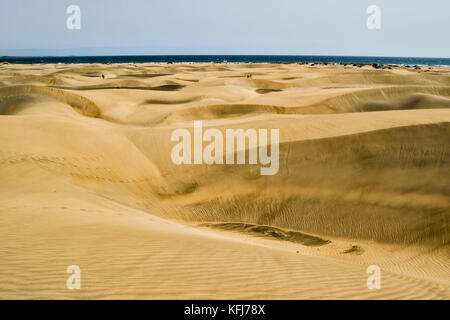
pixel 86 179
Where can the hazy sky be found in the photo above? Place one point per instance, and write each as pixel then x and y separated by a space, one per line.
pixel 317 27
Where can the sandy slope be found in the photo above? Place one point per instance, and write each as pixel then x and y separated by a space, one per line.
pixel 86 179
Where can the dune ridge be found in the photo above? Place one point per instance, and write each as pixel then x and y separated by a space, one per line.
pixel 79 103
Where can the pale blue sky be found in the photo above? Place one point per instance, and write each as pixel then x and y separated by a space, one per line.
pixel 298 27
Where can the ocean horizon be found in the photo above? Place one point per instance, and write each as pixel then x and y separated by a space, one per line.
pixel 227 58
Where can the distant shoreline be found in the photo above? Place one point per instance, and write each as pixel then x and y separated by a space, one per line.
pixel 238 59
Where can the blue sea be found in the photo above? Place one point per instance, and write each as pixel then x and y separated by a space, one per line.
pixel 228 58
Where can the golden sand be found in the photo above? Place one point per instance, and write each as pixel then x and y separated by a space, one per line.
pixel 86 179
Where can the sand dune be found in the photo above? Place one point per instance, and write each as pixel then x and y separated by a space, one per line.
pixel 413 101
pixel 87 179
pixel 14 93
